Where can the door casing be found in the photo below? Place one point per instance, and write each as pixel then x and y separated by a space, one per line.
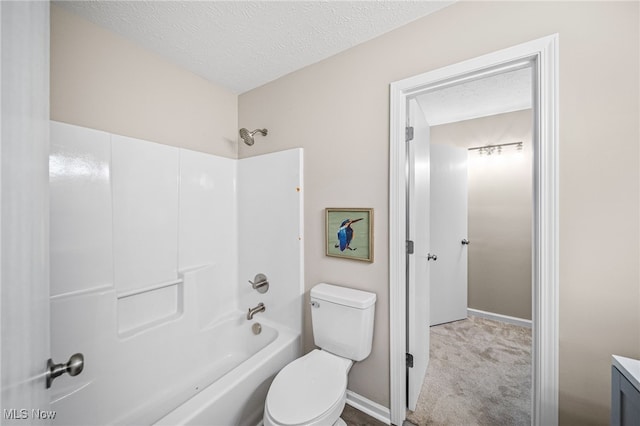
pixel 543 55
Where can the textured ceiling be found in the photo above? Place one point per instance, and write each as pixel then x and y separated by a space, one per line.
pixel 245 44
pixel 500 93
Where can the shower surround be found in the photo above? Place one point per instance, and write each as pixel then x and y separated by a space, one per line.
pixel 151 250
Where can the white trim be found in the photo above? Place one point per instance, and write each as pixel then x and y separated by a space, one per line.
pixel 369 407
pixel 397 263
pixel 544 53
pixel 499 317
pixel 546 237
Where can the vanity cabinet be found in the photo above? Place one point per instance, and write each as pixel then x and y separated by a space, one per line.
pixel 625 392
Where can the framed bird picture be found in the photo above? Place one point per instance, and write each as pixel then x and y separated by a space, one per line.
pixel 349 233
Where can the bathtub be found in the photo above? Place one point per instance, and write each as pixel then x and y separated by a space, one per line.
pixel 219 375
pixel 237 395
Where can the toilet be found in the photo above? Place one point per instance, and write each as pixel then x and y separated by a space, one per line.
pixel 312 390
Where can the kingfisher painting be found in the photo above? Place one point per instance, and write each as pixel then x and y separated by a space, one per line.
pixel 354 231
pixel 345 234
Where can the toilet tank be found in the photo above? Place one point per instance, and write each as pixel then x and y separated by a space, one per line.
pixel 343 320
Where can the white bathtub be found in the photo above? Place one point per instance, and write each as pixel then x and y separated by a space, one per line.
pixel 213 376
pixel 237 396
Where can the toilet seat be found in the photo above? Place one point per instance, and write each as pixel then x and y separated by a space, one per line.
pixel 310 390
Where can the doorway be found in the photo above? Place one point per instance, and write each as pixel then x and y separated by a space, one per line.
pixel 480 208
pixel 480 197
pixel 409 343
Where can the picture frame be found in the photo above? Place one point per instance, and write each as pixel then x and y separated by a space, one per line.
pixel 349 233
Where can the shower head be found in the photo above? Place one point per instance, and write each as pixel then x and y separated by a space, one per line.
pixel 247 136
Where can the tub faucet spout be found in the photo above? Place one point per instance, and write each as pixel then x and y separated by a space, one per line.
pixel 253 311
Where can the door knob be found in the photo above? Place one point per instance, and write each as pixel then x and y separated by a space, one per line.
pixel 431 256
pixel 74 366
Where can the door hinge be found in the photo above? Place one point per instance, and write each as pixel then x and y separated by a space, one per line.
pixel 409 359
pixel 408 133
pixel 409 247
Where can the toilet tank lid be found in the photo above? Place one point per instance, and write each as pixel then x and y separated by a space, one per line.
pixel 343 295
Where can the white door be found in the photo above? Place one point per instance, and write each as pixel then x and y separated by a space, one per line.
pixel 24 197
pixel 448 217
pixel 418 274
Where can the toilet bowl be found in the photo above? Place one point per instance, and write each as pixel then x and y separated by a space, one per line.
pixel 311 391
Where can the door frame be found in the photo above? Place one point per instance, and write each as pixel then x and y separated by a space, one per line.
pixel 543 54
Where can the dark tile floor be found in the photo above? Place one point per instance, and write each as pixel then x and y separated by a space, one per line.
pixel 354 417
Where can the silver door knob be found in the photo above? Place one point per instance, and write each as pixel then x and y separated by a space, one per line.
pixel 74 366
pixel 431 256
pixel 465 242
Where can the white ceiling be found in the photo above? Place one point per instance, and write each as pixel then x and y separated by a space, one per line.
pixel 245 44
pixel 496 94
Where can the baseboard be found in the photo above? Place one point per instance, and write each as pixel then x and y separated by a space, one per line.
pixel 365 405
pixel 498 317
pixel 369 407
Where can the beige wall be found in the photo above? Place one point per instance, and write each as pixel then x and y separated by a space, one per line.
pixel 338 110
pixel 499 210
pixel 102 81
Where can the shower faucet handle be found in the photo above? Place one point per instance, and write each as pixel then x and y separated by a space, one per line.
pixel 260 283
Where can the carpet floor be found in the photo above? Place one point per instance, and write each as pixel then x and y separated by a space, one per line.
pixel 479 374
